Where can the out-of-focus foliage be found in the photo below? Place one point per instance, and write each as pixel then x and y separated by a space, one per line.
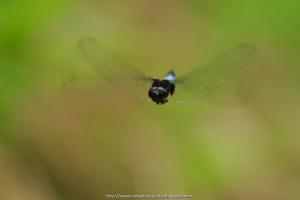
pixel 240 144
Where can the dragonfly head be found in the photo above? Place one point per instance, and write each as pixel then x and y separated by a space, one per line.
pixel 158 94
pixel 160 90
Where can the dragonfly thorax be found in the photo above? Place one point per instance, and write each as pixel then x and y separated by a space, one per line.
pixel 160 91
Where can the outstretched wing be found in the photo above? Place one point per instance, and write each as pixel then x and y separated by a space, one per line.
pixel 107 65
pixel 206 79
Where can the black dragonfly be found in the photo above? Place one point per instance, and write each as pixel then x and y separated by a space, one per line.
pixel 200 82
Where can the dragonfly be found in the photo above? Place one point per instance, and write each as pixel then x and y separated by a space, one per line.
pixel 203 81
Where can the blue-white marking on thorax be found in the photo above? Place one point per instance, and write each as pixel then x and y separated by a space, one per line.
pixel 170 76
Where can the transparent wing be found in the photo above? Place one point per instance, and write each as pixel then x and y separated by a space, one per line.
pixel 121 76
pixel 203 81
pixel 108 64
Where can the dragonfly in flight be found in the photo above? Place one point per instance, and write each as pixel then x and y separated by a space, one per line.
pixel 200 82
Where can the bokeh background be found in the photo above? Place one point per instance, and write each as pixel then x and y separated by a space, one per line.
pixel 55 146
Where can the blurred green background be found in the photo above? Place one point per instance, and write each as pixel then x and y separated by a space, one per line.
pixel 57 147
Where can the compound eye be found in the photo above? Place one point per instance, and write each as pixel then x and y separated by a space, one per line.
pixel 156 91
